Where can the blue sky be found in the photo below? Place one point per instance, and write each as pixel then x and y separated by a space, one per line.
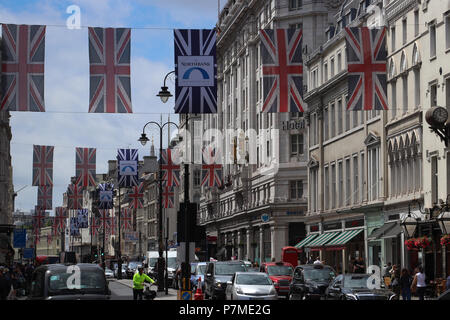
pixel 66 124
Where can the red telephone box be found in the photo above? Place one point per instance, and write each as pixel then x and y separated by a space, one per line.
pixel 290 255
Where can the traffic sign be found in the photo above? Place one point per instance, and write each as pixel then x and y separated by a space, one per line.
pixel 186 295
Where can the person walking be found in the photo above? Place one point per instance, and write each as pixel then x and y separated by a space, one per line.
pixel 387 270
pixel 359 266
pixel 405 284
pixel 395 280
pixel 318 261
pixel 138 283
pixel 419 283
pixel 5 285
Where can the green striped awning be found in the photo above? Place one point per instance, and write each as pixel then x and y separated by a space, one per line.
pixel 344 237
pixel 322 239
pixel 305 241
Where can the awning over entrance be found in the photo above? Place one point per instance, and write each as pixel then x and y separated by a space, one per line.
pixel 344 237
pixel 305 241
pixel 322 239
pixel 394 232
pixel 378 233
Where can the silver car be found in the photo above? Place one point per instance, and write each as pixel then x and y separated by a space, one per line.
pixel 109 273
pixel 250 286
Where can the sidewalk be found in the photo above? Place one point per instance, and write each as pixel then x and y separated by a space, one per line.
pixel 172 293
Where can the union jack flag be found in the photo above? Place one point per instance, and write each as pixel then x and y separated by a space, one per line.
pixel 211 170
pixel 36 234
pixel 74 230
pixel 106 195
pixel 38 217
pixel 23 53
pixel 196 70
pixel 95 225
pixel 50 237
pixel 104 218
pixel 111 224
pixel 366 58
pixel 74 197
pixel 282 67
pixel 127 160
pixel 44 197
pixel 85 167
pixel 125 222
pixel 137 196
pixel 60 219
pixel 168 197
pixel 109 59
pixel 171 171
pixel 43 165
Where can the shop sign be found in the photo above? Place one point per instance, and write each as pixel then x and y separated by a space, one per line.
pixel 332 226
pixel 354 223
pixel 294 124
pixel 314 228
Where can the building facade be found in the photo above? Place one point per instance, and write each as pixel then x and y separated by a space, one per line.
pixel 261 207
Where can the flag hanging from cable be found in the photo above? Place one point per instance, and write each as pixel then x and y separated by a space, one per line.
pixel 60 219
pixel 109 65
pixel 38 217
pixel 170 170
pixel 137 196
pixel 211 168
pixel 82 219
pixel 95 226
pixel 125 222
pixel 127 160
pixel 43 165
pixel 196 71
pixel 74 230
pixel 44 197
pixel 168 197
pixel 366 59
pixel 85 159
pixel 23 55
pixel 106 195
pixel 104 218
pixel 282 68
pixel 74 197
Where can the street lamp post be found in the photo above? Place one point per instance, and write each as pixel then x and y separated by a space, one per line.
pixel 143 140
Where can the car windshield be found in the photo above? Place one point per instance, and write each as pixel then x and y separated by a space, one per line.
pixel 356 281
pixel 279 270
pixel 201 269
pixel 90 281
pixel 133 265
pixel 108 270
pixel 253 279
pixel 152 262
pixel 318 274
pixel 172 263
pixel 229 269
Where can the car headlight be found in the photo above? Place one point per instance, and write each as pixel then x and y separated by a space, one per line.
pixel 276 284
pixel 218 284
pixel 272 292
pixel 239 290
pixel 351 296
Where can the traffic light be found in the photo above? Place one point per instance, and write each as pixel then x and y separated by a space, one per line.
pixel 188 219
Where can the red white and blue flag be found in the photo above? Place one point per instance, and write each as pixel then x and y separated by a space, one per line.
pixel 95 225
pixel 44 197
pixel 104 218
pixel 282 67
pixel 168 197
pixel 196 71
pixel 38 217
pixel 60 219
pixel 126 219
pixel 85 162
pixel 366 59
pixel 42 165
pixel 23 55
pixel 170 170
pixel 127 160
pixel 137 196
pixel 74 197
pixel 109 60
pixel 211 169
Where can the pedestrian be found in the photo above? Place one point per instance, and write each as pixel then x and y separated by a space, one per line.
pixel 395 280
pixel 405 284
pixel 138 283
pixel 419 283
pixel 447 284
pixel 318 261
pixel 387 270
pixel 359 266
pixel 310 260
pixel 5 285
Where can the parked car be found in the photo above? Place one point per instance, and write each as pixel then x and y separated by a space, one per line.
pixel 250 286
pixel 310 281
pixel 109 273
pixel 132 268
pixel 356 287
pixel 281 275
pixel 217 275
pixel 198 270
pixel 124 271
pixel 50 282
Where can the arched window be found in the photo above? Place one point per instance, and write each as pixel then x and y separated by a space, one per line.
pixel 403 63
pixel 392 69
pixel 415 55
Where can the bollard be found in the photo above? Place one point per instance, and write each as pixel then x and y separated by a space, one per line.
pixel 199 293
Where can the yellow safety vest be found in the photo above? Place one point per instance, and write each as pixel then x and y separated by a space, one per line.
pixel 138 280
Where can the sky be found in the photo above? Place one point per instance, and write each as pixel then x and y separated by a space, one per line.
pixel 66 124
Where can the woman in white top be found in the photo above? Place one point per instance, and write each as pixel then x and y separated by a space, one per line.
pixel 421 285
